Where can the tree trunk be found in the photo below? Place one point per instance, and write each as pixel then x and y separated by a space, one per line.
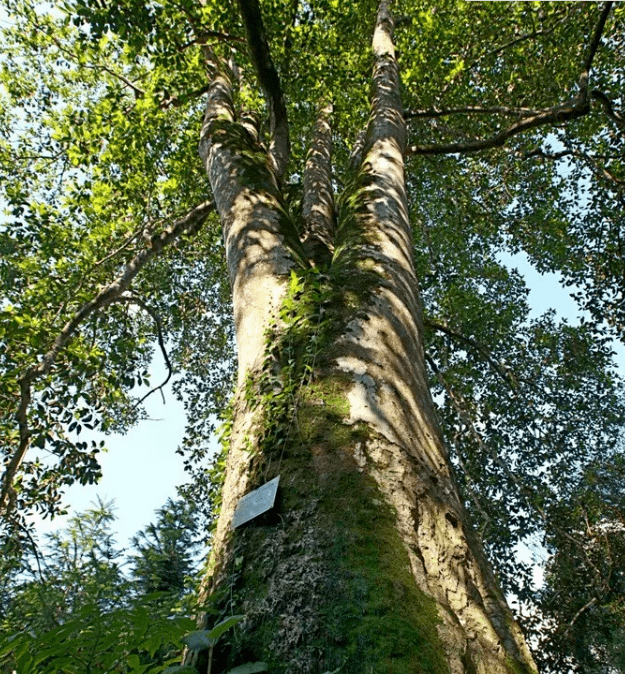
pixel 367 563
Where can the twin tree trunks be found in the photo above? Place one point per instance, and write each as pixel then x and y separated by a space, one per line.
pixel 368 563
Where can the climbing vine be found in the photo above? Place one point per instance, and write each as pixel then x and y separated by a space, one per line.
pixel 293 344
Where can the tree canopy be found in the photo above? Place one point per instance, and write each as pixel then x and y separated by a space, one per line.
pixel 111 250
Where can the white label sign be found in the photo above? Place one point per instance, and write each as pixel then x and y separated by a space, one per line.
pixel 255 503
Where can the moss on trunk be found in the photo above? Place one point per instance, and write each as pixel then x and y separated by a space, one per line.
pixel 325 579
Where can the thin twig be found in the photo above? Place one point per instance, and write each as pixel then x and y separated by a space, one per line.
pixel 506 376
pixel 134 299
pixel 582 610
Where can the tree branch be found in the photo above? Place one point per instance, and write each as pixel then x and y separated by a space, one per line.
pixel 470 109
pixel 564 112
pixel 206 35
pixel 461 406
pixel 190 223
pixel 578 107
pixel 269 80
pixel 596 38
pixel 608 108
pixel 469 479
pixel 506 376
pixel 138 92
pixel 133 299
pixel 590 159
pixel 318 201
pixel 582 610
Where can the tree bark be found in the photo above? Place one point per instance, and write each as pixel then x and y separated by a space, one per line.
pixel 367 562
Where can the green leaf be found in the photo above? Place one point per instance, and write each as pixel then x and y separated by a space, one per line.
pixel 199 640
pixel 224 626
pixel 249 668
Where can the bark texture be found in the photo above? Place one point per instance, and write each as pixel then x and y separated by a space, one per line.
pixel 318 201
pixel 367 563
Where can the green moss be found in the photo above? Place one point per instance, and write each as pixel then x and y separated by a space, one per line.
pixel 331 566
pixel 343 563
pixel 322 411
pixel 380 618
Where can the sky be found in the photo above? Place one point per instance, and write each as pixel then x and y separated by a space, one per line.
pixel 141 469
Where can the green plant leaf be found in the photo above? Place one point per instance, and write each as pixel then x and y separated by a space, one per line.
pixel 199 640
pixel 224 626
pixel 249 668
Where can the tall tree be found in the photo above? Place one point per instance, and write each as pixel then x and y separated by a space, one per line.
pixel 163 557
pixel 369 561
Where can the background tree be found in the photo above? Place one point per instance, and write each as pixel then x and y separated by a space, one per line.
pixel 164 552
pixel 73 605
pixel 582 617
pixel 99 168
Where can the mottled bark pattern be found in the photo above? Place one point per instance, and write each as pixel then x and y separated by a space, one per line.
pixel 253 219
pixel 384 355
pixel 367 563
pixel 318 201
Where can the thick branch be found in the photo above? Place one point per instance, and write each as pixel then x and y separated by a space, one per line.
pixel 190 223
pixel 270 83
pixel 596 38
pixel 318 202
pixel 564 112
pixel 387 115
pixel 7 493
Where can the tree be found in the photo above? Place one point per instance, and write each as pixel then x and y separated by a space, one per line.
pixel 81 567
pixel 370 562
pixel 72 607
pixel 164 551
pixel 588 556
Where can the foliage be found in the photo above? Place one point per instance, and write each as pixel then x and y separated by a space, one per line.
pixel 71 606
pixel 164 551
pixel 100 110
pixel 588 551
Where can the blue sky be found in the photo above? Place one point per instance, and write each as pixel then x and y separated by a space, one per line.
pixel 140 470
